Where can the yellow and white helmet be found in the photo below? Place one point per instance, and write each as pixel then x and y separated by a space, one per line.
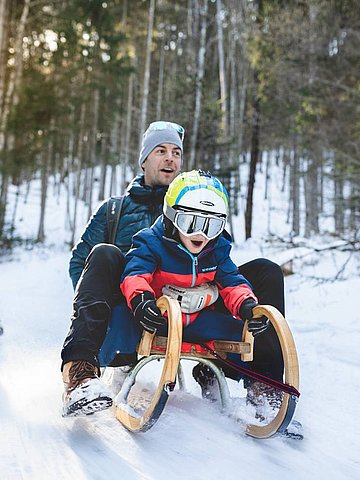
pixel 196 202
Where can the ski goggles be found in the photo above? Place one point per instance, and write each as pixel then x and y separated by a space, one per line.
pixel 189 223
pixel 160 125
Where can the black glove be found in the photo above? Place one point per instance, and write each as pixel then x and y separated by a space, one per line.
pixel 255 325
pixel 146 312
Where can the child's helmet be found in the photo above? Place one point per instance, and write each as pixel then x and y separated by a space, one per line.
pixel 196 202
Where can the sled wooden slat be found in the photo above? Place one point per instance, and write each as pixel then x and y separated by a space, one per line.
pixel 144 348
pixel 168 375
pixel 232 347
pixel 192 349
pixel 248 338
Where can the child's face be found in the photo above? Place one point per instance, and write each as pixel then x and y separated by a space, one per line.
pixel 195 243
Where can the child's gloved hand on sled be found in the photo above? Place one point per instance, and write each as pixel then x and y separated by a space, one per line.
pixel 146 312
pixel 255 325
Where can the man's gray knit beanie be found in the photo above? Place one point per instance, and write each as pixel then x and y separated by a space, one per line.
pixel 156 137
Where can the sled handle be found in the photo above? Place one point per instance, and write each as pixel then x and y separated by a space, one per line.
pixel 291 373
pixel 168 376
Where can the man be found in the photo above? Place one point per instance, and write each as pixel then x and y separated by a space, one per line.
pixel 160 161
pixel 96 267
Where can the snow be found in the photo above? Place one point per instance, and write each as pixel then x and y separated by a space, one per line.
pixel 192 438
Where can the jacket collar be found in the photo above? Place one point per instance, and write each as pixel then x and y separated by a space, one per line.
pixel 144 193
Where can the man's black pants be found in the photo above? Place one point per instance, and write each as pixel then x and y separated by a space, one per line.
pixel 98 291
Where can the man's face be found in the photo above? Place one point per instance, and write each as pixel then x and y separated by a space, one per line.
pixel 162 165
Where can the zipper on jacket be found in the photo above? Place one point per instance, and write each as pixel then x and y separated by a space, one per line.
pixel 194 264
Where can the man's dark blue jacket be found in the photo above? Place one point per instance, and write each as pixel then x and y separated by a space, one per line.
pixel 141 207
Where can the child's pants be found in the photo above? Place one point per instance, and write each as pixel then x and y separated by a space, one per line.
pixel 124 334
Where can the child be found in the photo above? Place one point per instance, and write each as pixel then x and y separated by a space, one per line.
pixel 186 255
pixel 187 248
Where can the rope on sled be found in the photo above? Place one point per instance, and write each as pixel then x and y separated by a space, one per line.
pixel 256 376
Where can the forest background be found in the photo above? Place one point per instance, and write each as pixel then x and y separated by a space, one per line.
pixel 252 82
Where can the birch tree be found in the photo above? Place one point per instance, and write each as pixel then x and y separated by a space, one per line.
pixel 222 74
pixel 4 37
pixel 295 189
pixel 146 83
pixel 199 83
pixel 255 139
pixel 11 96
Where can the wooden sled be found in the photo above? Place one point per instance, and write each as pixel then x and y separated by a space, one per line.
pixel 172 350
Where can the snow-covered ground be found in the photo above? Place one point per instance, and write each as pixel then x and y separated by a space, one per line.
pixel 192 439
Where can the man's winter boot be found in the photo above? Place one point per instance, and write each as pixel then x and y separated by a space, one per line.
pixel 266 399
pixel 84 392
pixel 207 380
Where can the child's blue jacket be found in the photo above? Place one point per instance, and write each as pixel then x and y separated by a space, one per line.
pixel 155 261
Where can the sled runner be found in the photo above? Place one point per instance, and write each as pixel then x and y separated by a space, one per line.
pixel 172 350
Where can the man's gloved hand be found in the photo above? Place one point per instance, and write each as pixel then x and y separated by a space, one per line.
pixel 146 312
pixel 255 325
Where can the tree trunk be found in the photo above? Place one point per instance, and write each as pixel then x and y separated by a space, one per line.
pixel 147 72
pixel 286 162
pixel 67 179
pixel 254 157
pixel 93 147
pixel 129 117
pixel 160 80
pixel 239 68
pixel 45 161
pixel 11 97
pixel 222 75
pixel 3 198
pixel 339 204
pixel 115 149
pixel 199 85
pixel 233 100
pixel 354 204
pixel 124 12
pixel 268 191
pixel 103 167
pixel 295 191
pixel 267 174
pixel 255 136
pixel 242 104
pixel 77 173
pixel 4 38
pixel 13 219
pixel 192 24
pixel 311 199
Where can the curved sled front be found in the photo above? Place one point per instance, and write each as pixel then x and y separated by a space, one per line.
pixel 124 413
pixel 291 374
